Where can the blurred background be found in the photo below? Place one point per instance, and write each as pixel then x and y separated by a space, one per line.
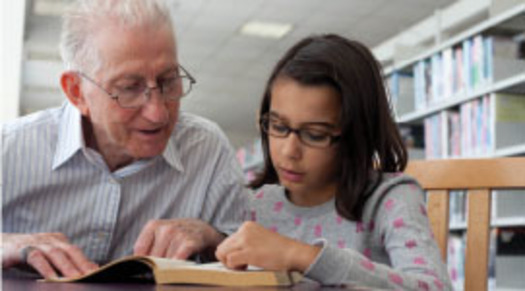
pixel 229 45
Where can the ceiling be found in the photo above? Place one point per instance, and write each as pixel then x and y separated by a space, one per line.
pixel 231 69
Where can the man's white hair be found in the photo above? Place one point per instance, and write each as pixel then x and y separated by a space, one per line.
pixel 82 18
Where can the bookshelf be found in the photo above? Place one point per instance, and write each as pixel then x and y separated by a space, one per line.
pixel 486 60
pixel 250 158
pixel 465 97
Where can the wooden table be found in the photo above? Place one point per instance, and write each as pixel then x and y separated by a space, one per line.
pixel 19 284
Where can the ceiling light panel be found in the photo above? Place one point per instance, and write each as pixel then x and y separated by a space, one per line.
pixel 266 29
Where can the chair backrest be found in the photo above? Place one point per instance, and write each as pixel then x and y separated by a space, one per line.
pixel 478 177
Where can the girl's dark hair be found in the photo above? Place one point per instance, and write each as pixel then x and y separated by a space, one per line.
pixel 370 140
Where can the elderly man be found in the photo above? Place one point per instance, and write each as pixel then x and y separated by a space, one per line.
pixel 118 169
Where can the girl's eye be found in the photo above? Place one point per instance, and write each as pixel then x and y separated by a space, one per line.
pixel 278 128
pixel 315 136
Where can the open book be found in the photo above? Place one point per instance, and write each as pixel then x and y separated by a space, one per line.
pixel 169 271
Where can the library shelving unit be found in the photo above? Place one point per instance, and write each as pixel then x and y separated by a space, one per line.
pixel 251 159
pixel 465 98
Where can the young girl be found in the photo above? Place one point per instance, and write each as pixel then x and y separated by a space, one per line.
pixel 332 178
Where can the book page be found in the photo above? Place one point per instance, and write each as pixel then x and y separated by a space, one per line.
pixel 218 266
pixel 165 263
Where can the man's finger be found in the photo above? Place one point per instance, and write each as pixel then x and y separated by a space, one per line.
pixel 39 262
pixel 185 250
pixel 79 259
pixel 62 262
pixel 161 243
pixel 145 241
pixel 172 249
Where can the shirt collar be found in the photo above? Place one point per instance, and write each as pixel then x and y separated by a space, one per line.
pixel 71 140
pixel 171 155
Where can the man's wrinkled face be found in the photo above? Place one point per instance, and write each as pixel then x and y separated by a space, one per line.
pixel 131 56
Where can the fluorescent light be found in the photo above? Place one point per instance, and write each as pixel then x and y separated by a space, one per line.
pixel 49 7
pixel 265 29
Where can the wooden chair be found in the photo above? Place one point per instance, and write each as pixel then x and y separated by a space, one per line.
pixel 478 177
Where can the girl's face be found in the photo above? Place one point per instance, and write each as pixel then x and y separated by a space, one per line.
pixel 308 172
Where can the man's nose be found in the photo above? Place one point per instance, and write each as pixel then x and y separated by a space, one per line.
pixel 156 108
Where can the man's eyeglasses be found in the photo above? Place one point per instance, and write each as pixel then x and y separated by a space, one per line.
pixel 312 137
pixel 172 87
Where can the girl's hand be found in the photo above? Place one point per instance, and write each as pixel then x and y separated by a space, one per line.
pixel 257 246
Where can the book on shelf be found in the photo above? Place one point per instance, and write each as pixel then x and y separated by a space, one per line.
pixel 453 149
pixel 457 209
pixel 456 260
pixel 479 128
pixel 170 271
pixel 464 68
pixel 401 85
pixel 251 155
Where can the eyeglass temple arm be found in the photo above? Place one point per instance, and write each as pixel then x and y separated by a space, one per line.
pixel 190 76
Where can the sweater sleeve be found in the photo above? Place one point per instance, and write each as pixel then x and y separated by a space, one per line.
pixel 400 219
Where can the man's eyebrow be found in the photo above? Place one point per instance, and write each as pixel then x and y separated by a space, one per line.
pixel 127 76
pixel 168 71
pixel 135 76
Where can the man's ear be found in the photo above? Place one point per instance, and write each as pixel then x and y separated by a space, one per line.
pixel 70 83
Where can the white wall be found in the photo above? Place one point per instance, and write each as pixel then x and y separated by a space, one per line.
pixel 12 15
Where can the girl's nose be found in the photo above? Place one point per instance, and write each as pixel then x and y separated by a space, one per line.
pixel 292 146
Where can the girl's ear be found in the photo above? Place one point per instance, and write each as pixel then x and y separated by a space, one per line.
pixel 70 83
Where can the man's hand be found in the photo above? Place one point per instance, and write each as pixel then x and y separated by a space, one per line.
pixel 257 246
pixel 176 238
pixel 46 253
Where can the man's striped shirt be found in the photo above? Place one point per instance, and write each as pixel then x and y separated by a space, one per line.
pixel 52 182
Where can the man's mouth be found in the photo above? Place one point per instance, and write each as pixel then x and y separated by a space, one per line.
pixel 150 131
